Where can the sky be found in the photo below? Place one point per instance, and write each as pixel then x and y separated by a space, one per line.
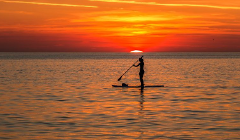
pixel 119 25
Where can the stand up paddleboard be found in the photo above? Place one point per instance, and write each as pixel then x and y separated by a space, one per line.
pixel 137 86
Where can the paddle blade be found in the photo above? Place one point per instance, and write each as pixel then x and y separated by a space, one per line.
pixel 119 78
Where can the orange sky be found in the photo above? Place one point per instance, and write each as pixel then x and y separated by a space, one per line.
pixel 119 25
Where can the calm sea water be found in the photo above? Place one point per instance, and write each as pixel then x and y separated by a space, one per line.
pixel 69 96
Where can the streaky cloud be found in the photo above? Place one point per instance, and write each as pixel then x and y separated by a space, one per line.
pixel 15 12
pixel 172 5
pixel 49 4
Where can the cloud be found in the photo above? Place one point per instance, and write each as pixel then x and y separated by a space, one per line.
pixel 172 5
pixel 133 18
pixel 15 12
pixel 49 4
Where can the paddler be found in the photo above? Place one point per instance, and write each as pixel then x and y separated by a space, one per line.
pixel 141 72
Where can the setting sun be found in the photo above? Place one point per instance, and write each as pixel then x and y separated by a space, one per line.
pixel 136 51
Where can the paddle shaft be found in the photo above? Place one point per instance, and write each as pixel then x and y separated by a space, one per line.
pixel 128 70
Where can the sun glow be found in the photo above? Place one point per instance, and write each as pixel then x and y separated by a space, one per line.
pixel 132 26
pixel 136 51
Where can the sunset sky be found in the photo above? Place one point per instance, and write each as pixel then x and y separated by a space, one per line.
pixel 119 25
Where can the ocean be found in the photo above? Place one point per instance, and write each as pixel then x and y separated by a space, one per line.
pixel 63 96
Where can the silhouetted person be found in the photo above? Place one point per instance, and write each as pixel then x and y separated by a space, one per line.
pixel 141 72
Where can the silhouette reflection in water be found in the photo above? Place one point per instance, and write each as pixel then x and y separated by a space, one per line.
pixel 141 114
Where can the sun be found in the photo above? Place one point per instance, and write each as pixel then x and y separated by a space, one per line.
pixel 136 51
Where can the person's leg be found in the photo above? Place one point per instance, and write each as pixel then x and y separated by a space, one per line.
pixel 141 79
pixel 142 83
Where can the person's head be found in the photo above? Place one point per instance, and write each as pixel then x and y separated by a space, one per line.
pixel 140 59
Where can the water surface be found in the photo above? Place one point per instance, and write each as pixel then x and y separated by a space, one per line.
pixel 69 96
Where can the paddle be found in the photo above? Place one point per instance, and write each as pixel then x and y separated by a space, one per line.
pixel 128 70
